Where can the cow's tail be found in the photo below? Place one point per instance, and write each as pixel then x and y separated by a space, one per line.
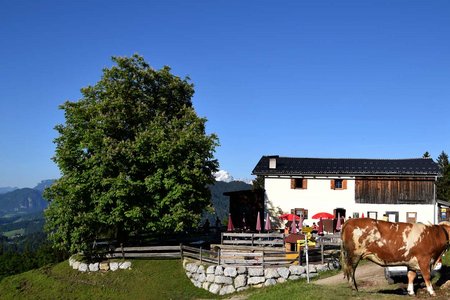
pixel 348 264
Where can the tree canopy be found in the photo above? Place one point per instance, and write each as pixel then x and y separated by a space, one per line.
pixel 134 157
pixel 443 183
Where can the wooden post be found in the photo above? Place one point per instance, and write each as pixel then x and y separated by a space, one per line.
pixel 299 255
pixel 181 251
pixel 121 247
pixel 306 258
pixel 218 261
pixel 253 237
pixel 262 259
pixel 200 254
pixel 321 253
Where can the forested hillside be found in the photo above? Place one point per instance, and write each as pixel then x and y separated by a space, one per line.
pixel 220 202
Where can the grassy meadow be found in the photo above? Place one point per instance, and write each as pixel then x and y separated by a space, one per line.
pixel 165 279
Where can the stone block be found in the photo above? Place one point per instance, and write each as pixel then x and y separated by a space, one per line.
pixel 240 281
pixel 214 288
pixel 284 272
pixel 227 289
pixel 93 267
pixel 255 280
pixel 230 272
pixel 114 266
pixel 211 270
pixel 271 273
pixel 255 272
pixel 223 280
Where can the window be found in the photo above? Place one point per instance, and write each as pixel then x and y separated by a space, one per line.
pixel 299 183
pixel 372 214
pixel 301 212
pixel 338 184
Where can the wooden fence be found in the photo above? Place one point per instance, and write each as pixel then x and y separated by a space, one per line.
pixel 242 258
pixel 146 252
pixel 253 239
pixel 237 249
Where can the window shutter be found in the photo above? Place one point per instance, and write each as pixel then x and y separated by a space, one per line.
pixel 292 183
pixel 332 184
pixel 344 184
pixel 305 184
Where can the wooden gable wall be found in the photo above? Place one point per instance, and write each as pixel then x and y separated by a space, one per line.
pixel 394 190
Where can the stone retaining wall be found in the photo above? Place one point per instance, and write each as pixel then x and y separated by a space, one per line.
pixel 226 280
pixel 98 266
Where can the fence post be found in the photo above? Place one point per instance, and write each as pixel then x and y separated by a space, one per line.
pixel 218 261
pixel 299 254
pixel 200 254
pixel 263 259
pixel 181 251
pixel 253 237
pixel 321 253
pixel 121 248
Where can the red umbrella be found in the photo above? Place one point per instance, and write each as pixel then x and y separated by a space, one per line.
pixel 320 231
pixel 230 223
pixel 289 217
pixel 362 215
pixel 338 223
pixel 268 226
pixel 323 215
pixel 258 223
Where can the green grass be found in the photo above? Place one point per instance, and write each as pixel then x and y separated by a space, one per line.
pixel 12 233
pixel 148 279
pixel 164 279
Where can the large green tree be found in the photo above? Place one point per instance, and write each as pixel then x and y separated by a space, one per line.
pixel 134 157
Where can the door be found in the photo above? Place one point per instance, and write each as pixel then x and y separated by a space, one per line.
pixel 392 216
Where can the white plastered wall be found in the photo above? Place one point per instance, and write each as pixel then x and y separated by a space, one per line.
pixel 319 197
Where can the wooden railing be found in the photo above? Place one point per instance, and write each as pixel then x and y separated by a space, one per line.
pixel 237 249
pixel 253 239
pixel 146 252
pixel 242 258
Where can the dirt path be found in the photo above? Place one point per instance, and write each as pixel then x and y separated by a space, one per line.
pixel 367 275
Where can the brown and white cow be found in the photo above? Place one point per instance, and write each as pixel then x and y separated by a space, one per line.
pixel 416 246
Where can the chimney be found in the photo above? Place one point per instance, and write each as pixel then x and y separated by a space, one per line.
pixel 273 162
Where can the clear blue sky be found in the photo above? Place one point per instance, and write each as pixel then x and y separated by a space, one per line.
pixel 360 79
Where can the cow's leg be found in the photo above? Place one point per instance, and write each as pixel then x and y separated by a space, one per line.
pixel 425 269
pixel 355 263
pixel 349 264
pixel 411 276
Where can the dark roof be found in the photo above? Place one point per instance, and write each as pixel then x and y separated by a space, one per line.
pixel 346 166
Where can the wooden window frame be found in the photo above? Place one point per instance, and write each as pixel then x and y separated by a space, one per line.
pixel 295 185
pixel 343 184
pixel 297 210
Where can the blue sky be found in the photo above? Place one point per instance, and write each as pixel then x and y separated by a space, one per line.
pixel 360 79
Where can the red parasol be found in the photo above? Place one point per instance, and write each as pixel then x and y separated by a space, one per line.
pixel 230 223
pixel 289 217
pixel 323 215
pixel 268 226
pixel 362 215
pixel 258 223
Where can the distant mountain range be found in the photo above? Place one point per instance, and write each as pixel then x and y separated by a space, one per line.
pixel 22 204
pixel 7 189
